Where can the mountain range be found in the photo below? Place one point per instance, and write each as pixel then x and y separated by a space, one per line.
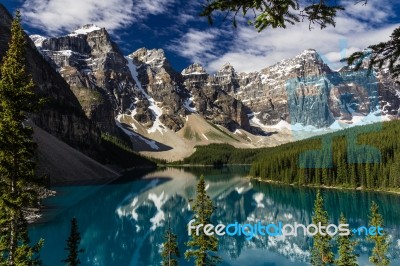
pixel 92 88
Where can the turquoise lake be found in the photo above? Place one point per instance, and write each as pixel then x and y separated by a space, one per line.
pixel 123 223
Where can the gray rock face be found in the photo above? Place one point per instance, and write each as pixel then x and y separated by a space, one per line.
pixel 227 78
pixel 161 82
pixel 305 90
pixel 182 93
pixel 388 90
pixel 290 90
pixel 96 71
pixel 195 76
pixel 62 115
pixel 211 98
pixel 302 89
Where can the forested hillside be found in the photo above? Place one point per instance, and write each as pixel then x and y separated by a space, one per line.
pixel 364 156
pixel 118 152
pixel 219 154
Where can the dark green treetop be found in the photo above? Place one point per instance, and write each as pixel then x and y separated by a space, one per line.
pixel 73 243
pixel 170 249
pixel 202 246
pixel 381 242
pixel 321 252
pixel 347 257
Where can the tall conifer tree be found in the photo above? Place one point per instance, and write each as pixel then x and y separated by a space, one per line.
pixel 73 242
pixel 321 252
pixel 170 249
pixel 201 247
pixel 346 248
pixel 18 183
pixel 381 243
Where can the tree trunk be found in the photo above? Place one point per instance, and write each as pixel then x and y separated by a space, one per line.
pixel 169 251
pixel 13 242
pixel 13 227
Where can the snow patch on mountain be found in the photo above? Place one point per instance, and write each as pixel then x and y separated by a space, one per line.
pixel 398 93
pixel 255 121
pixel 84 30
pixel 65 52
pixel 151 143
pixel 38 40
pixel 338 124
pixel 157 111
pixel 188 103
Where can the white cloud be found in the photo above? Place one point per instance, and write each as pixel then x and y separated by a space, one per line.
pixel 197 45
pixel 375 11
pixel 143 8
pixel 251 51
pixel 266 48
pixel 187 12
pixel 59 16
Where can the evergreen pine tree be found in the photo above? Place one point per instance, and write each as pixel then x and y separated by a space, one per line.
pixel 170 248
pixel 200 247
pixel 73 242
pixel 346 248
pixel 381 243
pixel 321 252
pixel 18 182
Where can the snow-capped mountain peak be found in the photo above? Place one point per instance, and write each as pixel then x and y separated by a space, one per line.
pixel 38 39
pixel 154 99
pixel 85 29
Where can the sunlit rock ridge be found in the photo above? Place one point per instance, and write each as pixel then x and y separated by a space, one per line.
pixel 144 87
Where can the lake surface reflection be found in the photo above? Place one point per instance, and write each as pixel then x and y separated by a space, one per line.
pixel 123 223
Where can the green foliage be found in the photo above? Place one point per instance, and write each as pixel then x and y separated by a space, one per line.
pixel 276 13
pixel 346 248
pixel 201 246
pixel 381 242
pixel 170 249
pixel 117 152
pixel 18 183
pixel 282 163
pixel 73 242
pixel 379 55
pixel 219 154
pixel 321 252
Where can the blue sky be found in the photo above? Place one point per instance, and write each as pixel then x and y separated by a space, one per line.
pixel 174 25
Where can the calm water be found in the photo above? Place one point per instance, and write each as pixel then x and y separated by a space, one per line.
pixel 123 223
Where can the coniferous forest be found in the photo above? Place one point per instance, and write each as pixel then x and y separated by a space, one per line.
pixel 220 154
pixel 364 156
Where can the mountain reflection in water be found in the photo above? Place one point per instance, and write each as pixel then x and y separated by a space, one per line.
pixel 123 223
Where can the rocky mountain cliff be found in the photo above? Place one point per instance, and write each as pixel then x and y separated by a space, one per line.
pixel 95 70
pixel 144 86
pixel 62 114
pixel 305 90
pixel 162 85
pixel 212 100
